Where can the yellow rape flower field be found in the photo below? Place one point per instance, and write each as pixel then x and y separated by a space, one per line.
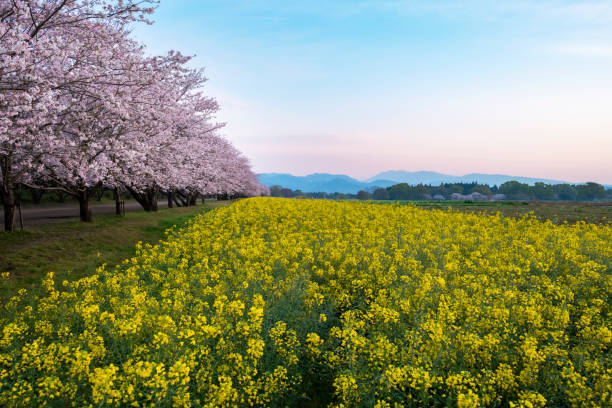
pixel 276 302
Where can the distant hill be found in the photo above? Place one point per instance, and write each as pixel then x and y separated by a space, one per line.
pixel 340 183
pixel 321 182
pixel 433 178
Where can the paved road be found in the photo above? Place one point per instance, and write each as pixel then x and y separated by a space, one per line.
pixel 68 212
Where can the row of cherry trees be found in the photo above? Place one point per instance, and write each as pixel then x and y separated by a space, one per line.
pixel 82 107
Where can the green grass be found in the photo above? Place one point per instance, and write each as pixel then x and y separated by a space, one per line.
pixel 75 249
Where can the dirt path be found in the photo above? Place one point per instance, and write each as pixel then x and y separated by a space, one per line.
pixel 61 213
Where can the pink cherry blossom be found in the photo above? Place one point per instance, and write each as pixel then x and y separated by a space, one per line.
pixel 83 107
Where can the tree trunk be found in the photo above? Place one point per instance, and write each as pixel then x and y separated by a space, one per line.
pixel 140 197
pixel 152 197
pixel 99 193
pixel 176 201
pixel 147 199
pixel 8 202
pixel 184 199
pixel 117 197
pixel 192 199
pixel 8 195
pixel 170 202
pixel 84 210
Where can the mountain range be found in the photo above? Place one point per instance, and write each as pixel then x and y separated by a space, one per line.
pixel 332 183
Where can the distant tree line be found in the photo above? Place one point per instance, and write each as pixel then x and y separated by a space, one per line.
pixel 510 190
pixel 278 191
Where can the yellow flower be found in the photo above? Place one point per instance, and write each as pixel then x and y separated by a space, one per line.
pixel 387 305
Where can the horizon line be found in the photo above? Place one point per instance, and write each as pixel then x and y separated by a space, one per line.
pixel 437 172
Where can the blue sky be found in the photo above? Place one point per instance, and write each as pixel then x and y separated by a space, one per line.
pixel 520 87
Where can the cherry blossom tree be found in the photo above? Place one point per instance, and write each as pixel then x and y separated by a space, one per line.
pixel 176 122
pixel 37 38
pixel 98 120
pixel 82 107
